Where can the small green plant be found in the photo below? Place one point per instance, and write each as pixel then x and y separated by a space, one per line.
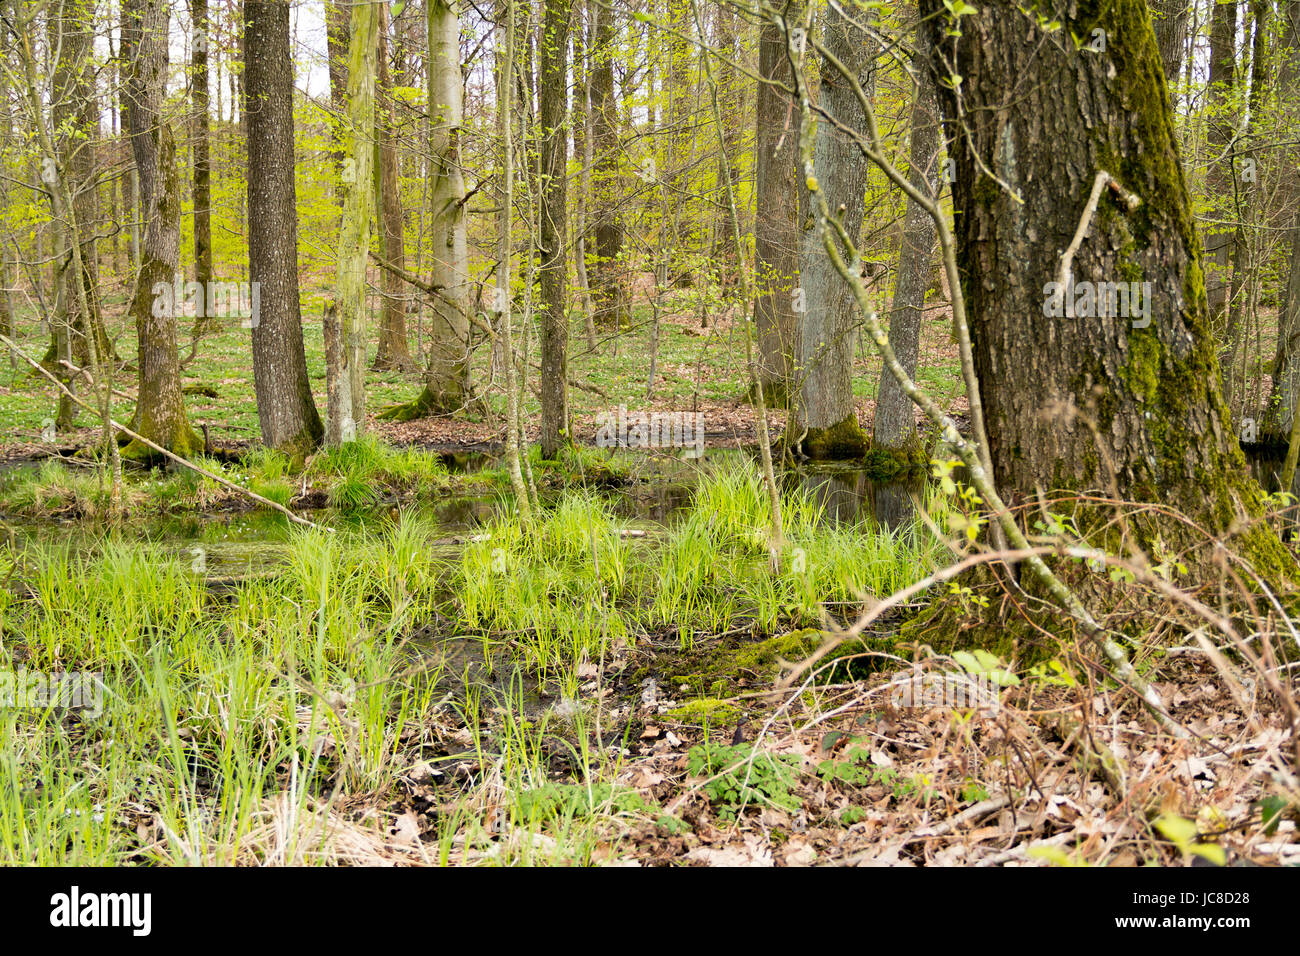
pixel 570 800
pixel 982 663
pixel 851 815
pixel 352 492
pixel 1184 834
pixel 741 775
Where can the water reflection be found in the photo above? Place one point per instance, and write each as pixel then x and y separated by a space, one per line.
pixel 848 495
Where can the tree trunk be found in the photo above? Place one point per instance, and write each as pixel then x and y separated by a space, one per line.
pixel 1219 233
pixel 446 384
pixel 1286 363
pixel 581 114
pixel 285 407
pixel 605 272
pixel 552 100
pixel 337 31
pixel 347 420
pixel 202 164
pixel 505 35
pixel 1049 367
pixel 160 406
pixel 75 113
pixel 730 99
pixel 825 421
pixel 1235 385
pixel 776 227
pixel 1169 18
pixel 392 351
pixel 895 423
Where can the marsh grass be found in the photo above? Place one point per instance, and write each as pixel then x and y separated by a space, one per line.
pixel 248 726
pixel 570 583
pixel 357 470
pixel 221 716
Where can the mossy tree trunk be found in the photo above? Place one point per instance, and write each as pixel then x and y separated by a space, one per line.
pixel 554 331
pixel 776 226
pixel 895 423
pixel 346 418
pixel 1151 387
pixel 286 409
pixel 825 421
pixel 392 351
pixel 160 407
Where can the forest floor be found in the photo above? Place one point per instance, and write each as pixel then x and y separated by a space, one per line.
pixel 426 686
pixel 626 681
pixel 698 369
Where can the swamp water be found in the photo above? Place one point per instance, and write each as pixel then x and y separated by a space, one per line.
pixel 229 551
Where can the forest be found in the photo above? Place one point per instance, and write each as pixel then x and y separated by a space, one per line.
pixel 649 433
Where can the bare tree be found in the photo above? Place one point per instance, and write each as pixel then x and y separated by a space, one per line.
pixel 286 409
pixel 160 406
pixel 552 100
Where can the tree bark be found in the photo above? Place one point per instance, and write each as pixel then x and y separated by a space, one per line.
pixel 347 420
pixel 75 113
pixel 605 271
pixel 825 421
pixel 1169 18
pixel 202 162
pixel 895 423
pixel 1219 235
pixel 392 351
pixel 553 210
pixel 582 149
pixel 160 405
pixel 286 409
pixel 776 227
pixel 1281 407
pixel 1149 382
pixel 337 31
pixel 446 385
pixel 730 98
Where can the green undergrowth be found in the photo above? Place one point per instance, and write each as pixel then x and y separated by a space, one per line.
pixel 211 710
pixel 226 708
pixel 566 586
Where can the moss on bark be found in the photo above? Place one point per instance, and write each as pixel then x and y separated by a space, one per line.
pixel 840 442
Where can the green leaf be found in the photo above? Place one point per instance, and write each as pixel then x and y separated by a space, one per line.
pixel 1210 851
pixel 1270 809
pixel 1177 830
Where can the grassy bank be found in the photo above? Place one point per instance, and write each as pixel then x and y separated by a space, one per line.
pixel 278 718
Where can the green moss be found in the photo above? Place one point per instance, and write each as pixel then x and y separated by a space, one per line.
pixel 891 464
pixel 706 712
pixel 841 441
pixel 720 669
pixel 185 442
pixel 437 398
